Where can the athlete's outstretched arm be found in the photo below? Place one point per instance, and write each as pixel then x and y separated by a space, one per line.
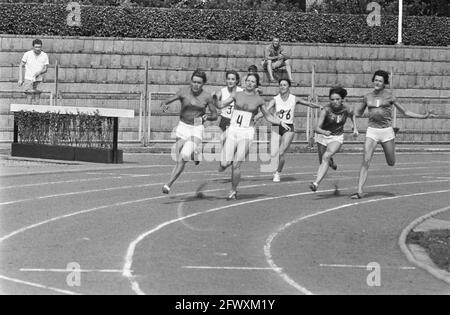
pixel 301 101
pixel 355 126
pixel 273 119
pixel 217 97
pixel 412 114
pixel 270 105
pixel 212 116
pixel 268 108
pixel 223 103
pixel 359 110
pixel 318 129
pixel 165 103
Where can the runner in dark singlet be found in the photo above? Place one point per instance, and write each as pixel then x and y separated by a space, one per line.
pixel 330 131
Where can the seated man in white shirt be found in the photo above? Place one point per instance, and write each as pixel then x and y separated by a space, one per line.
pixel 36 64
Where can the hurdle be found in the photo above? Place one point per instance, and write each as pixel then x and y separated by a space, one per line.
pixel 41 149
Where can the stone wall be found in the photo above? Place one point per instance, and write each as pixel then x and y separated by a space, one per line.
pixel 90 68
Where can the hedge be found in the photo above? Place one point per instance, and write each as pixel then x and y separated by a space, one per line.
pixel 81 130
pixel 98 21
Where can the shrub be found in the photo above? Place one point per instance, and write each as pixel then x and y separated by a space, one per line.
pixel 32 19
pixel 81 130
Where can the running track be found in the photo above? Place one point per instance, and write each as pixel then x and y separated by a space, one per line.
pixel 276 239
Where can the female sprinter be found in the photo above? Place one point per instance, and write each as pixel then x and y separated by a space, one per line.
pixel 284 106
pixel 380 103
pixel 241 131
pixel 330 131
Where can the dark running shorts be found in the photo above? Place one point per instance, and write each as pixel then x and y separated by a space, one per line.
pixel 281 131
pixel 224 123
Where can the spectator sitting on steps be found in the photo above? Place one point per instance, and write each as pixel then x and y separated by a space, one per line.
pixel 275 58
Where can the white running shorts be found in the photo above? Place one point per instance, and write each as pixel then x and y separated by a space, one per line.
pixel 380 135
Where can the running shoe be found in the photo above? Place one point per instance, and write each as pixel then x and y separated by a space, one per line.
pixel 233 195
pixel 276 177
pixel 313 187
pixel 166 189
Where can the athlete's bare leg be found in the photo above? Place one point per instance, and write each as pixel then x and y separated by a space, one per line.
pixel 331 150
pixel 227 155
pixel 243 149
pixel 369 149
pixel 389 152
pixel 286 141
pixel 186 151
pixel 289 69
pixel 321 149
pixel 270 70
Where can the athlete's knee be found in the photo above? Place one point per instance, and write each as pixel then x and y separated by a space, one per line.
pixel 224 164
pixel 366 161
pixel 185 157
pixel 326 157
pixel 236 165
pixel 187 151
pixel 391 162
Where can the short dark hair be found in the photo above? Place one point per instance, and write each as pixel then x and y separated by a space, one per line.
pixel 338 90
pixel 381 73
pixel 256 77
pixel 235 73
pixel 252 68
pixel 37 42
pixel 287 80
pixel 199 74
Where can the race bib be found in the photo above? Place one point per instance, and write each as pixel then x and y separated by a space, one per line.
pixel 285 116
pixel 227 111
pixel 241 118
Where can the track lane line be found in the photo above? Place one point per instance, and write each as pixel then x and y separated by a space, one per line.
pixel 272 236
pixel 133 245
pixel 13 202
pixel 39 286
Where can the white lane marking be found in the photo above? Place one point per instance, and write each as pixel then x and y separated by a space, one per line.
pixel 436 177
pixel 439 274
pixel 56 270
pixel 286 168
pixel 227 268
pixel 364 267
pixel 40 286
pixel 132 247
pixel 135 285
pixel 60 182
pixel 83 170
pixel 94 191
pixel 151 175
pixel 270 239
pixel 117 174
pixel 162 183
pixel 124 203
pixel 118 204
